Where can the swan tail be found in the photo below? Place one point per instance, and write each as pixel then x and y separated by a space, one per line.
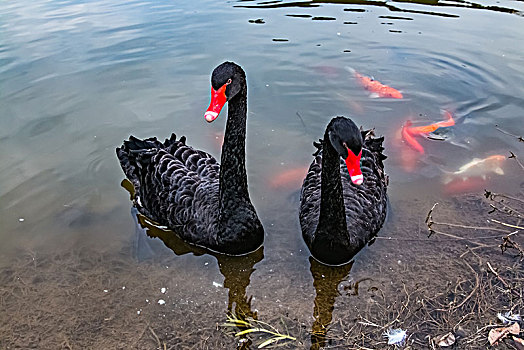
pixel 135 154
pixel 374 144
pixel 318 146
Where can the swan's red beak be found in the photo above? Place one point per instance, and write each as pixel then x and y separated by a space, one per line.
pixel 218 100
pixel 353 164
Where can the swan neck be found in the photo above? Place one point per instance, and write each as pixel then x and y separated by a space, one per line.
pixel 233 176
pixel 332 218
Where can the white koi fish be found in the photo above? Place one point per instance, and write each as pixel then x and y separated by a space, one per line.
pixel 478 168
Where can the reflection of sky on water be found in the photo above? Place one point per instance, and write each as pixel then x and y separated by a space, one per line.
pixel 76 78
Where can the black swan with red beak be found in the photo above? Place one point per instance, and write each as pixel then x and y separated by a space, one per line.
pixel 343 202
pixel 187 190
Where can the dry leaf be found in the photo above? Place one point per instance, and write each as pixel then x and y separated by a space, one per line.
pixel 497 334
pixel 446 340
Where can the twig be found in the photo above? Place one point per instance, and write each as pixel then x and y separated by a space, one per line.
pixel 520 138
pixel 156 337
pixel 507 225
pixel 477 282
pixel 501 279
pixel 509 243
pixel 512 155
pixel 302 121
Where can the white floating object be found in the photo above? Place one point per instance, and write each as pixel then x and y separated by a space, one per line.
pixel 21 219
pixel 162 290
pixel 508 317
pixel 216 284
pixel 105 291
pixel 446 340
pixel 161 301
pixel 395 336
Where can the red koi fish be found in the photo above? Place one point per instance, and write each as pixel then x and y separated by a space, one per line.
pixel 458 186
pixel 409 131
pixel 375 86
pixel 288 179
pixel 426 129
pixel 408 137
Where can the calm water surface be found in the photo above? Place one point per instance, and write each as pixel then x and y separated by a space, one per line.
pixel 78 77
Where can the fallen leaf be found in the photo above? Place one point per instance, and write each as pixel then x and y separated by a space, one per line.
pixel 497 334
pixel 446 340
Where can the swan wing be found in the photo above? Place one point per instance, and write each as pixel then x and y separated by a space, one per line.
pixel 176 185
pixel 310 199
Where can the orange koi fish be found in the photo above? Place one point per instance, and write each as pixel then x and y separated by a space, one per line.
pixel 289 179
pixel 375 86
pixel 458 186
pixel 426 129
pixel 409 131
pixel 408 137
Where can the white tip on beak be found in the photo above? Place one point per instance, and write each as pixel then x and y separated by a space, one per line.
pixel 357 179
pixel 210 116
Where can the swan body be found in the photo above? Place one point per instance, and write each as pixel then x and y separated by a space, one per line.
pixel 187 190
pixel 343 204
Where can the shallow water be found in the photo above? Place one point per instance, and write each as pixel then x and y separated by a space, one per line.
pixel 77 78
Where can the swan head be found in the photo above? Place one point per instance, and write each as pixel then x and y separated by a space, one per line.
pixel 227 80
pixel 346 139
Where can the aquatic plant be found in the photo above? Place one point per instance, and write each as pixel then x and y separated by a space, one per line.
pixel 267 332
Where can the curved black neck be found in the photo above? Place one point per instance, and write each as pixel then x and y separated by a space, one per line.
pixel 233 176
pixel 332 218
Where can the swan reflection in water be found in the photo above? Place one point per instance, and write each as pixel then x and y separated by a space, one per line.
pixel 325 280
pixel 236 270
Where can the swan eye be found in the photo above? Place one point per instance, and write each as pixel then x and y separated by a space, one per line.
pixel 228 81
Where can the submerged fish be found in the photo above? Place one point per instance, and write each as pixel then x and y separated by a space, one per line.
pixel 481 167
pixel 477 169
pixel 426 129
pixel 408 131
pixel 376 87
pixel 408 137
pixel 291 178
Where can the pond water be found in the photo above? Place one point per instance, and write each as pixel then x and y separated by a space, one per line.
pixel 78 77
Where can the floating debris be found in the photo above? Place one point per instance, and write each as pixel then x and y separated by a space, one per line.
pixel 163 290
pixel 216 284
pixel 508 317
pixel 322 18
pixel 21 219
pixel 500 333
pixel 395 336
pixel 161 301
pixel 257 21
pixel 446 340
pixel 299 16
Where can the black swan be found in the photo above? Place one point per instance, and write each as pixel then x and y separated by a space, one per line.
pixel 343 201
pixel 187 190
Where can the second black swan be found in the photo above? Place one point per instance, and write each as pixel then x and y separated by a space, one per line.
pixel 187 190
pixel 343 201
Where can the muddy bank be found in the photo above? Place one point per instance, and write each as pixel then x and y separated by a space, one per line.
pixel 179 299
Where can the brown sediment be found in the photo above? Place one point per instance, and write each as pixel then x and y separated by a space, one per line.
pixel 455 281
